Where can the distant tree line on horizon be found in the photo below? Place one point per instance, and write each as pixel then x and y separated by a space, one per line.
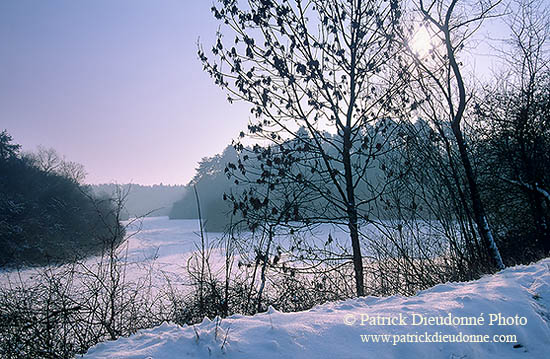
pixel 143 200
pixel 210 182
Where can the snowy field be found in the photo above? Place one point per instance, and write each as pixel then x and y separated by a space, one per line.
pixel 161 248
pixel 168 244
pixel 168 240
pixel 157 242
pixel 506 315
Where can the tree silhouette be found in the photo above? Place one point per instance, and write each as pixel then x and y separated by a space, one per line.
pixel 320 80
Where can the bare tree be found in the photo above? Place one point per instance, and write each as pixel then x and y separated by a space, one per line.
pixel 50 161
pixel 443 97
pixel 322 67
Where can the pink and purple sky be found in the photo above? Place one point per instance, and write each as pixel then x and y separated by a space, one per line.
pixel 114 85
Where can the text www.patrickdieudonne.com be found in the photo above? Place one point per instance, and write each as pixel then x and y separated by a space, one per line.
pixel 437 337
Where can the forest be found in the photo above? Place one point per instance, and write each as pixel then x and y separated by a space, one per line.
pixel 47 216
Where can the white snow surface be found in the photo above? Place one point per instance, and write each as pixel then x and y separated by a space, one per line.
pixel 521 293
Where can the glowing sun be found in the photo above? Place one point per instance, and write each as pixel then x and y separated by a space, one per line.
pixel 423 41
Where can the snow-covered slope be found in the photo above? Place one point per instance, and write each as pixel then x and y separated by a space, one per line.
pixel 511 306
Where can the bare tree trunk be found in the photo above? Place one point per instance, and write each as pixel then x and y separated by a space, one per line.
pixel 478 208
pixel 352 217
pixel 262 273
pixel 350 188
pixel 456 117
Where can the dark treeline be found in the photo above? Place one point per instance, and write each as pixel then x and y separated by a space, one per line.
pixel 211 183
pixel 46 215
pixel 216 186
pixel 142 200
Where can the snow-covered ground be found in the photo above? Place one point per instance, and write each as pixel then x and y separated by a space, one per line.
pixel 506 315
pixel 165 246
pixel 162 247
pixel 168 244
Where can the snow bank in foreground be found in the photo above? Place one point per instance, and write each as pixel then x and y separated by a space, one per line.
pixel 509 310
